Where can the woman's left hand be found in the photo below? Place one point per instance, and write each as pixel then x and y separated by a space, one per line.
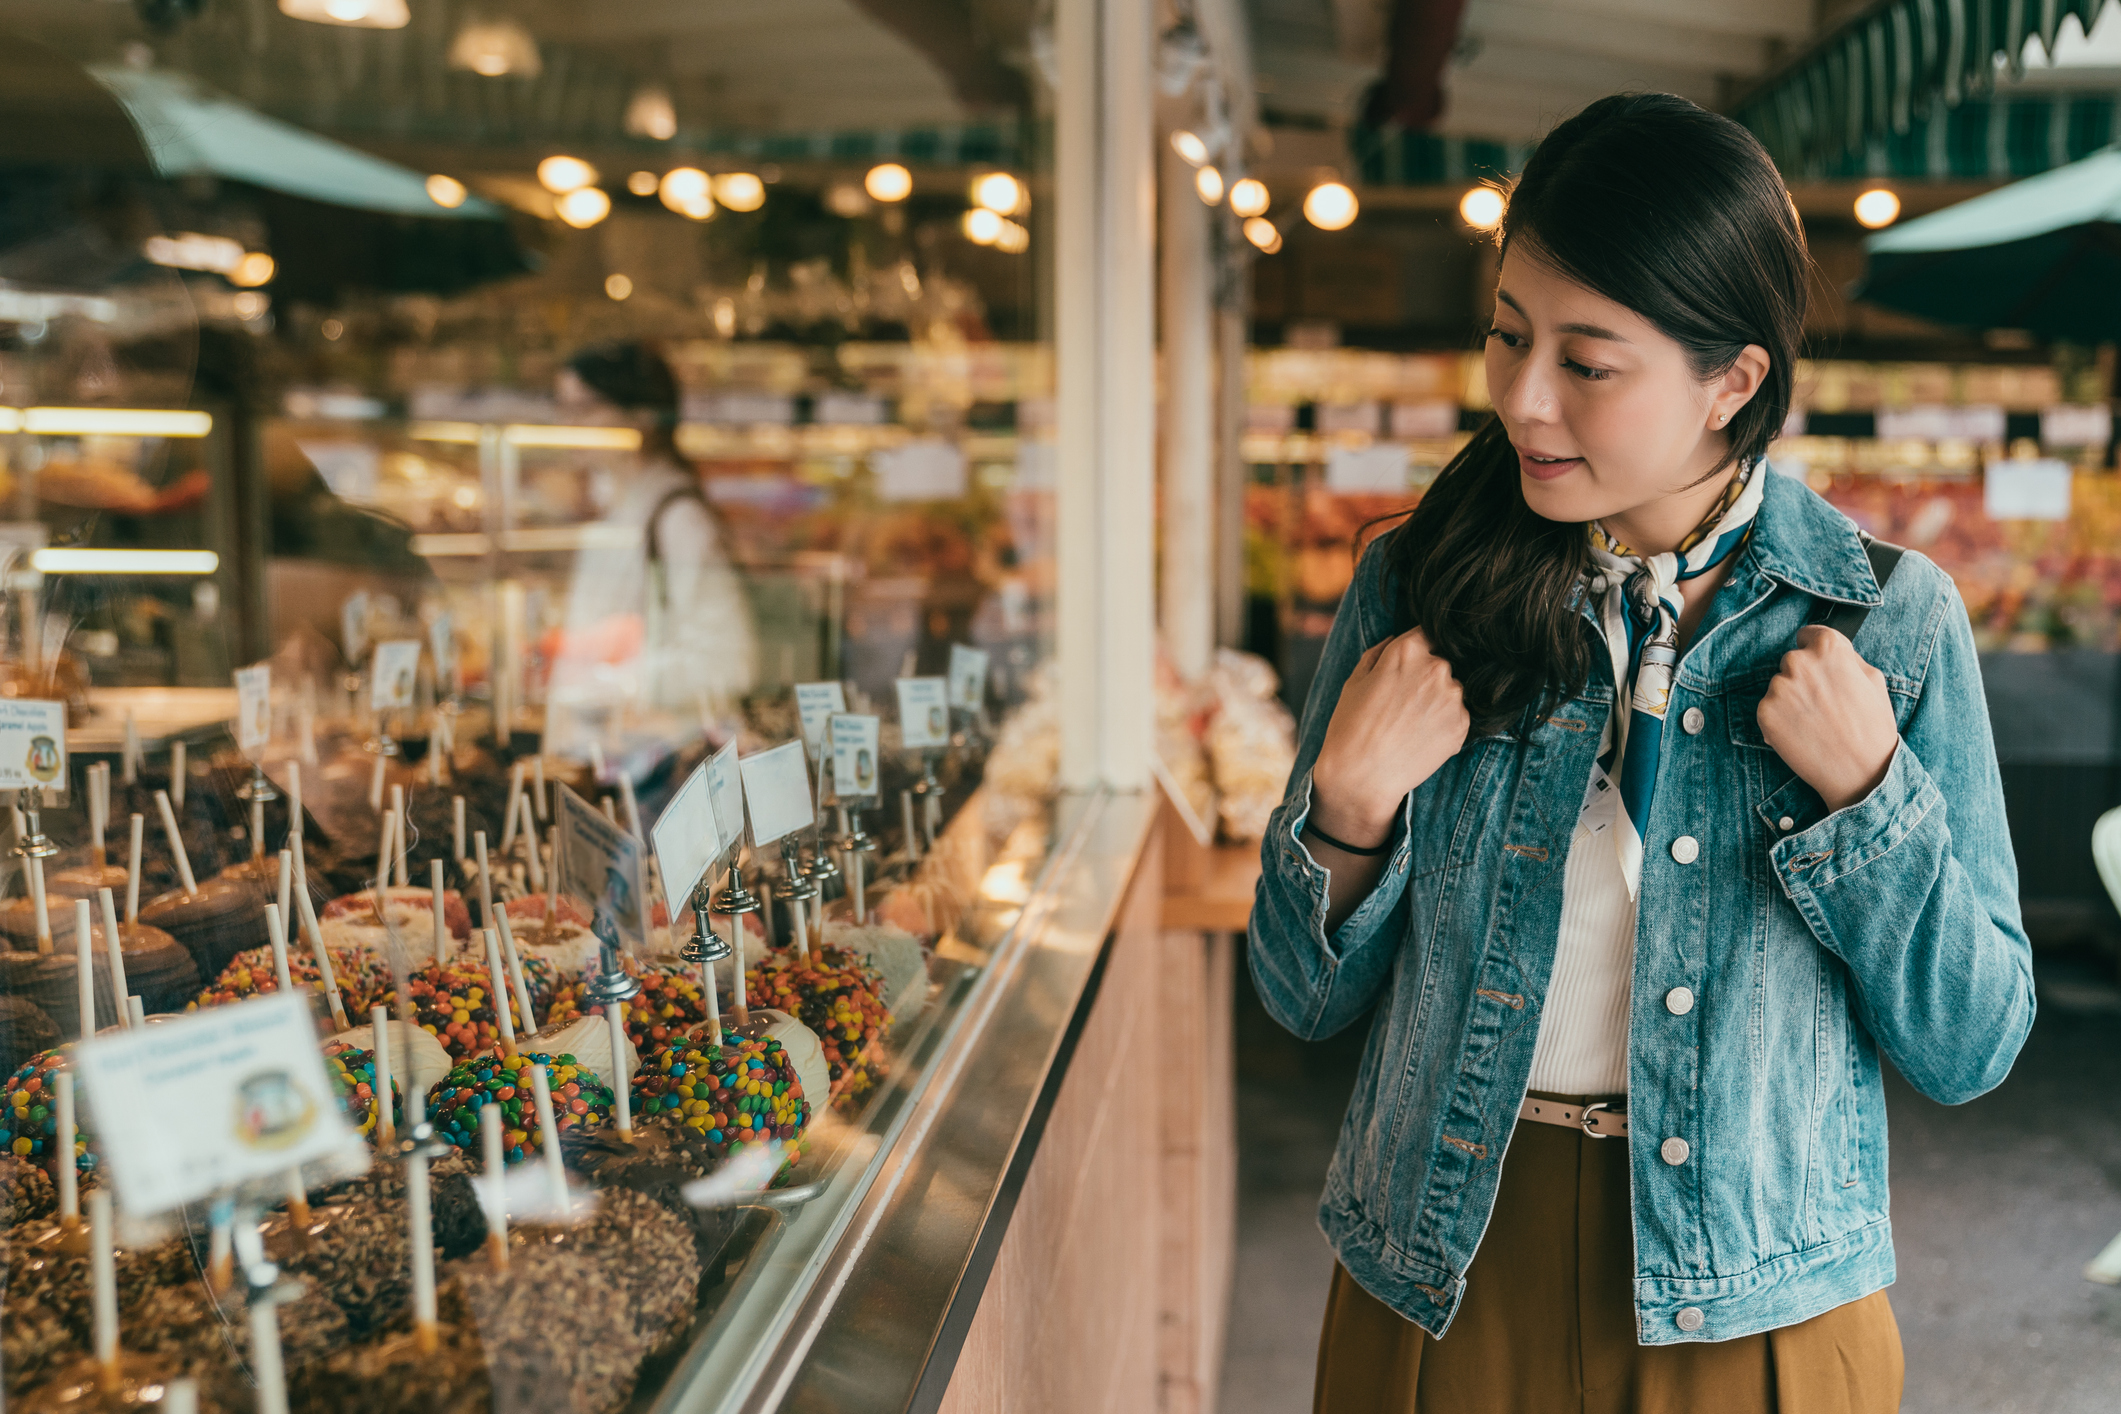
pixel 1828 716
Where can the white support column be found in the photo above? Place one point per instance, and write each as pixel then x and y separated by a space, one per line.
pixel 1105 335
pixel 1231 343
pixel 1187 295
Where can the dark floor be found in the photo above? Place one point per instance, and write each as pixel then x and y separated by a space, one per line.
pixel 1997 1206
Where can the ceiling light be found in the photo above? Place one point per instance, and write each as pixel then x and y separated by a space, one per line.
pixel 998 192
pixel 583 207
pixel 846 199
pixel 740 191
pixel 642 183
pixel 1187 144
pixel 651 114
pixel 1209 183
pixel 1263 233
pixel 618 286
pixel 887 181
pixel 364 14
pixel 1877 207
pixel 494 48
pixel 75 560
pixel 982 226
pixel 253 270
pixel 1014 238
pixel 1481 208
pixel 688 191
pixel 1331 206
pixel 188 250
pixel 1248 197
pixel 561 175
pixel 445 191
pixel 116 422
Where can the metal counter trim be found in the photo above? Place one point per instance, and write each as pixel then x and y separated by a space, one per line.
pixel 884 1326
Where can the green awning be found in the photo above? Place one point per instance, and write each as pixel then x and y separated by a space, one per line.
pixel 1881 94
pixel 191 130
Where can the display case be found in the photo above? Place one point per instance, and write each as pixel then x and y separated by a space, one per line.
pixel 436 442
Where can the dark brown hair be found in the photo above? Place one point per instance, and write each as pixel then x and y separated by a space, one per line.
pixel 1680 215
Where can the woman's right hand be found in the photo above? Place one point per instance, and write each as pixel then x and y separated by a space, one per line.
pixel 1401 715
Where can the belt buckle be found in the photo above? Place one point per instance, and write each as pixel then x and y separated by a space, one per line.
pixel 1585 1123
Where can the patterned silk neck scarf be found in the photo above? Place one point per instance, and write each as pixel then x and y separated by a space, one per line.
pixel 1638 607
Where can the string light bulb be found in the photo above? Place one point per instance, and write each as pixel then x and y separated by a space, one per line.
pixel 618 287
pixel 1481 208
pixel 740 191
pixel 1209 183
pixel 583 207
pixel 887 182
pixel 642 183
pixel 998 192
pixel 1331 206
pixel 561 174
pixel 1877 208
pixel 1263 233
pixel 1187 144
pixel 983 226
pixel 1248 197
pixel 687 191
pixel 446 191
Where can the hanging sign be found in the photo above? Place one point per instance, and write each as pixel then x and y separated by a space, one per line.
pixel 854 766
pixel 391 679
pixel 204 1102
pixel 600 862
pixel 924 712
pixel 254 707
pixel 777 788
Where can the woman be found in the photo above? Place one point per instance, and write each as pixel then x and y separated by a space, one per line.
pixel 1640 866
pixel 656 617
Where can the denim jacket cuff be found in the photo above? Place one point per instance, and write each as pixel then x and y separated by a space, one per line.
pixel 1857 834
pixel 1314 878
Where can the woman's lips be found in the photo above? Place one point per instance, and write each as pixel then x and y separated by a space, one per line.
pixel 1540 469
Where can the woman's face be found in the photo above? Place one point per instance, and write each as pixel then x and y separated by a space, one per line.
pixel 1604 411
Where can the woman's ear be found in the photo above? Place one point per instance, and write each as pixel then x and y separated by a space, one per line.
pixel 1738 385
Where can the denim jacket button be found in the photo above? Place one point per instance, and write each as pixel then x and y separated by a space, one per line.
pixel 1679 1001
pixel 1689 1319
pixel 1686 849
pixel 1785 823
pixel 1690 721
pixel 1674 1151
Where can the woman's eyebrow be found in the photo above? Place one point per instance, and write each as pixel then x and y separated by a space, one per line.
pixel 1595 331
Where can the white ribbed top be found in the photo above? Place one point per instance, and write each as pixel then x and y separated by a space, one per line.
pixel 1583 1035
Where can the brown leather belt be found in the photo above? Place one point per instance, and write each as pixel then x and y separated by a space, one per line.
pixel 1597 1120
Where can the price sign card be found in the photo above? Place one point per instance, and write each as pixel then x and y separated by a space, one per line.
pixel 816 701
pixel 204 1102
pixel 968 677
pixel 390 680
pixel 924 712
pixel 725 788
pixel 777 785
pixel 601 863
pixel 687 838
pixel 853 755
pixel 254 707
pixel 353 625
pixel 442 642
pixel 32 744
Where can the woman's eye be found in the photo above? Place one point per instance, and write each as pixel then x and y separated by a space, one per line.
pixel 1508 340
pixel 1585 372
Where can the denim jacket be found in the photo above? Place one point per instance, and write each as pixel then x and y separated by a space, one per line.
pixel 1808 940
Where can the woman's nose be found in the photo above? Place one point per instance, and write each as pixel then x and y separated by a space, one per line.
pixel 1527 398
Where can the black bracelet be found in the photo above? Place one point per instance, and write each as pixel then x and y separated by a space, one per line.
pixel 1344 847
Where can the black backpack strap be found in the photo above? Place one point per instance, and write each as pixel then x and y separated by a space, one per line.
pixel 1845 619
pixel 655 517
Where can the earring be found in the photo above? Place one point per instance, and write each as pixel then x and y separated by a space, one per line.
pixel 1726 417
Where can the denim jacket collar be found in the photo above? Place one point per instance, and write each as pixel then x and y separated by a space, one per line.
pixel 1801 540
